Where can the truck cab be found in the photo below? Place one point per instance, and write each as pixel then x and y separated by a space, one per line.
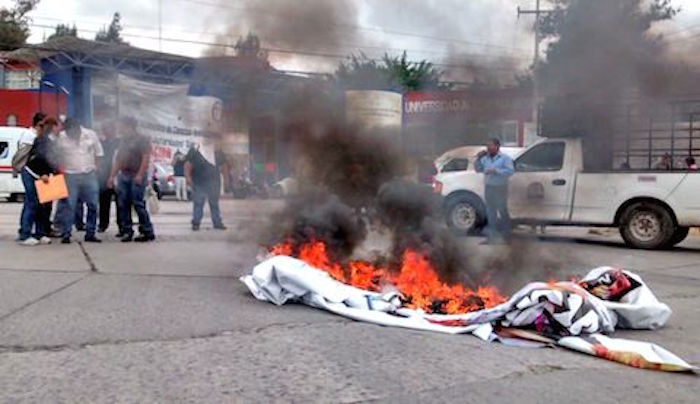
pixel 652 209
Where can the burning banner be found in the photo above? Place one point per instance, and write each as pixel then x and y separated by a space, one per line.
pixel 574 315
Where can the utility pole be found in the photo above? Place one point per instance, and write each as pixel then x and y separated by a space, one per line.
pixel 160 25
pixel 536 59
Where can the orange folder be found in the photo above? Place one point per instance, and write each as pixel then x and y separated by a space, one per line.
pixel 53 190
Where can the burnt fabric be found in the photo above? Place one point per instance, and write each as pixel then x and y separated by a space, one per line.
pixel 573 315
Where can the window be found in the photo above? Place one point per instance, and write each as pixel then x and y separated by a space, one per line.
pixel 456 164
pixel 506 131
pixel 22 79
pixel 544 157
pixel 4 150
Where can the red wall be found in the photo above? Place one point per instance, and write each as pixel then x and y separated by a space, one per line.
pixel 25 103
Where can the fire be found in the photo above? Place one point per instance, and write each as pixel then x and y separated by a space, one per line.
pixel 415 278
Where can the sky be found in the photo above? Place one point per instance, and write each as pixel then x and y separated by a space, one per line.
pixel 450 33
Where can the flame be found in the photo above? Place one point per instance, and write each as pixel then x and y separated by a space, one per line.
pixel 415 278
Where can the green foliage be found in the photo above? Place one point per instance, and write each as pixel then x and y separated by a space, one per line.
pixel 64 30
pixel 14 24
pixel 397 73
pixel 112 33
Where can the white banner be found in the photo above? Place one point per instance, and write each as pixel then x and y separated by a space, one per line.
pixel 164 112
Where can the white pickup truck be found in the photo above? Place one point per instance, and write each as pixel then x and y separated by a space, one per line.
pixel 652 209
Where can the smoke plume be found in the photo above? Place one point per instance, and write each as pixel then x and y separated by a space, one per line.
pixel 604 56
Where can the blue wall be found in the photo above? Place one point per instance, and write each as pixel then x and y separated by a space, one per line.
pixel 76 80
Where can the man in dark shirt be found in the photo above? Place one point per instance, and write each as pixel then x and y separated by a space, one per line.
pixel 179 174
pixel 130 168
pixel 203 169
pixel 110 144
pixel 40 165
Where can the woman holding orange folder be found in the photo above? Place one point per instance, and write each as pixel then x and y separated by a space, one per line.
pixel 40 165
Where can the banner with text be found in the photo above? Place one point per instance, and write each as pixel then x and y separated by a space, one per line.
pixel 164 112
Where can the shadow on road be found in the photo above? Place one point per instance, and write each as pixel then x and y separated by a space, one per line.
pixel 592 242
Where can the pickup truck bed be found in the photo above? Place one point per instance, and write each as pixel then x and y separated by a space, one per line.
pixel 653 209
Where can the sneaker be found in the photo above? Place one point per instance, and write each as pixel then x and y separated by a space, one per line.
pixel 92 239
pixel 127 238
pixel 45 240
pixel 29 242
pixel 220 227
pixel 65 240
pixel 195 227
pixel 144 239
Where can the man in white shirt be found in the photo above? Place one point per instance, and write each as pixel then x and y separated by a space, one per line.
pixel 79 150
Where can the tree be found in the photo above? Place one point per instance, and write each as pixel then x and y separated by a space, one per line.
pixel 412 76
pixel 64 30
pixel 249 47
pixel 601 44
pixel 601 54
pixel 112 33
pixel 14 24
pixel 396 73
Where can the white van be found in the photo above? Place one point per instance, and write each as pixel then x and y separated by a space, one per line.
pixel 10 187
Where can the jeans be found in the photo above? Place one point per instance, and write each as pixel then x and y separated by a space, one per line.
pixel 181 188
pixel 106 197
pixel 82 187
pixel 497 211
pixel 202 192
pixel 129 194
pixel 33 213
pixel 79 220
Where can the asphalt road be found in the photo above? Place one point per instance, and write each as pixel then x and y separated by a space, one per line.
pixel 170 322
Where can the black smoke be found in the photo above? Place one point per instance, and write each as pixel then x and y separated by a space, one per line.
pixel 603 57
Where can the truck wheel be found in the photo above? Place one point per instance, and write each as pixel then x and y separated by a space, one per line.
pixel 679 235
pixel 465 215
pixel 647 225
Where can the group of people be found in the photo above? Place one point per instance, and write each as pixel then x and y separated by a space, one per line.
pixel 665 162
pixel 98 170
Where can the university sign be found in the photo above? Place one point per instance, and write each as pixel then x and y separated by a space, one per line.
pixel 479 105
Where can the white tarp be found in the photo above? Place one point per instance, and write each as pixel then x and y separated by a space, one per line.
pixel 565 312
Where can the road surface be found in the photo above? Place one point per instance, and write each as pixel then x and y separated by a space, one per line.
pixel 170 322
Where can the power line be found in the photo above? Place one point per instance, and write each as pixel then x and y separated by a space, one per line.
pixel 335 44
pixel 687 38
pixel 326 55
pixel 682 30
pixel 357 27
